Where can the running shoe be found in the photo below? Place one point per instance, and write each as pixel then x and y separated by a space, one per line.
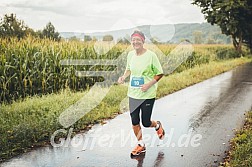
pixel 160 131
pixel 138 150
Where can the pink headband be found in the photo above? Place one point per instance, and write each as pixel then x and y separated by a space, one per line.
pixel 138 35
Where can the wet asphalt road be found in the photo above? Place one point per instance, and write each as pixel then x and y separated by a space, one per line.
pixel 199 121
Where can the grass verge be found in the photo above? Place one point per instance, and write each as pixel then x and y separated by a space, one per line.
pixel 30 123
pixel 240 154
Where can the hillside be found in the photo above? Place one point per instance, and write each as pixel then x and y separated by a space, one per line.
pixel 170 33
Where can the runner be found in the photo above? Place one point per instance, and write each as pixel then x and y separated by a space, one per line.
pixel 145 71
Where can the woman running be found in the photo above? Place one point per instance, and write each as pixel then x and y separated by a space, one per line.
pixel 145 71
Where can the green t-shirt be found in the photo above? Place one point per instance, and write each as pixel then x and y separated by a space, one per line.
pixel 143 69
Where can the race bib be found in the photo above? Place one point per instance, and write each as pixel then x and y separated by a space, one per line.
pixel 136 82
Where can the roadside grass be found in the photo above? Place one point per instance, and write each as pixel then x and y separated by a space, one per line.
pixel 195 75
pixel 30 123
pixel 240 154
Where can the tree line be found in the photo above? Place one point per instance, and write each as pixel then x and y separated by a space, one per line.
pixel 10 26
pixel 232 16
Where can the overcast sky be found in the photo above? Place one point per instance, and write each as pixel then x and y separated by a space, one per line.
pixel 100 15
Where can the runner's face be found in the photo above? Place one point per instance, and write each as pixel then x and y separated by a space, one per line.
pixel 137 42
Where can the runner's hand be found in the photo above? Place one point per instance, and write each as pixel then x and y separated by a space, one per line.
pixel 121 80
pixel 145 87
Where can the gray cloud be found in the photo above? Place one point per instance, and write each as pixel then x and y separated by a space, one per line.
pixel 41 6
pixel 97 15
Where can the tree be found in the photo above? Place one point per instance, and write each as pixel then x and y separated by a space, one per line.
pixel 107 38
pixel 198 37
pixel 232 16
pixel 248 42
pixel 10 26
pixel 74 38
pixel 87 38
pixel 50 32
pixel 31 32
pixel 94 39
pixel 211 41
pixel 248 31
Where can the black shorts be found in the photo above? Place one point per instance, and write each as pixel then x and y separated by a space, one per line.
pixel 146 106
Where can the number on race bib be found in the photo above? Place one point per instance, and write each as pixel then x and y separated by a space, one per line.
pixel 137 82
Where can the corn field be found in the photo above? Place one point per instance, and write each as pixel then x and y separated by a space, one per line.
pixel 32 66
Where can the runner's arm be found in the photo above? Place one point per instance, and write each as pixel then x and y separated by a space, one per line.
pixel 156 78
pixel 125 75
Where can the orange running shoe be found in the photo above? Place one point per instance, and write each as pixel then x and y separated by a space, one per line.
pixel 160 131
pixel 138 150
